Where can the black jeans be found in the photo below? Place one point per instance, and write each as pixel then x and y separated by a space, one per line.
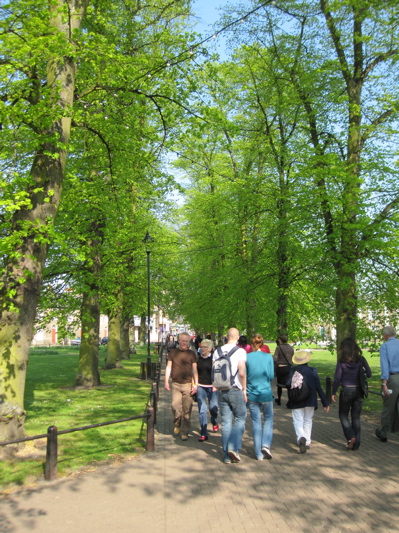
pixel 351 400
pixel 282 373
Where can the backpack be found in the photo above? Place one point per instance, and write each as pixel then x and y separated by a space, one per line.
pixel 363 379
pixel 299 390
pixel 222 377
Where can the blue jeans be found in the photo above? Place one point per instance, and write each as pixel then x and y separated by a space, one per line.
pixel 204 394
pixel 351 400
pixel 262 437
pixel 231 402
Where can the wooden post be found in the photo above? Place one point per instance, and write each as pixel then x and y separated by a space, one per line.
pixel 51 470
pixel 153 371
pixel 158 378
pixel 150 447
pixel 143 370
pixel 154 402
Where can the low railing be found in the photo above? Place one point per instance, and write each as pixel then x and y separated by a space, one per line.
pixel 51 466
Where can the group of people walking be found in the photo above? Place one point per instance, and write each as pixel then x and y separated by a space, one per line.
pixel 252 369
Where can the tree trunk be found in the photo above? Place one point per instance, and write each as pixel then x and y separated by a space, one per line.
pixel 113 359
pixel 125 342
pixel 22 279
pixel 346 309
pixel 143 330
pixel 250 312
pixel 283 263
pixel 88 374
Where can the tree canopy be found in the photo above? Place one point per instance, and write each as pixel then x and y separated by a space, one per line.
pixel 283 156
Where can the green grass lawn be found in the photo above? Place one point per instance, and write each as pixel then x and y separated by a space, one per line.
pixel 51 399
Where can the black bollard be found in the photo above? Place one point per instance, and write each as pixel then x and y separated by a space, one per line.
pixel 143 370
pixel 51 470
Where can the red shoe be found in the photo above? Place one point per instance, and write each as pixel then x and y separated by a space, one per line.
pixel 351 443
pixel 215 428
pixel 202 438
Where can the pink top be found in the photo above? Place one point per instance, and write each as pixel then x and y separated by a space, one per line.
pixel 264 348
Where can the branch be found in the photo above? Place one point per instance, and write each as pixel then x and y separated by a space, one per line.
pixel 379 59
pixel 383 215
pixel 336 40
pixel 100 136
pixel 379 120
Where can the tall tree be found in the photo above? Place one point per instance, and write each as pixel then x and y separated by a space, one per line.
pixel 118 47
pixel 39 64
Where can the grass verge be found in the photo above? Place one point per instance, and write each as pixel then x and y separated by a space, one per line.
pixel 51 399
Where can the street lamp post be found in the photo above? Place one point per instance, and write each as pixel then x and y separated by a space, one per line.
pixel 147 239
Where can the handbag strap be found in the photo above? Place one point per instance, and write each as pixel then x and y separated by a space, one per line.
pixel 285 357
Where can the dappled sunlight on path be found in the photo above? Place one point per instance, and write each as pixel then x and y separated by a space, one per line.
pixel 185 486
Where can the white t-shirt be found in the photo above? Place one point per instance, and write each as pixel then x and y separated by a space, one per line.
pixel 238 355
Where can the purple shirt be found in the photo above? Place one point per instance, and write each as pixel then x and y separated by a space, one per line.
pixel 347 374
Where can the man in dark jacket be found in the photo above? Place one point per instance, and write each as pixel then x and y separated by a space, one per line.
pixel 302 412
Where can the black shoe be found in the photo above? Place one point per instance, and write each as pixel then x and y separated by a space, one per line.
pixel 379 436
pixel 278 402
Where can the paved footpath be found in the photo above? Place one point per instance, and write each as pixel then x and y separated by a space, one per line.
pixel 184 487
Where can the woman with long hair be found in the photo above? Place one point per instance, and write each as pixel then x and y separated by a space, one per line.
pixel 260 371
pixel 350 364
pixel 243 343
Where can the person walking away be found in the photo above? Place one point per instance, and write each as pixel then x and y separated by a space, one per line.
pixel 197 342
pixel 232 400
pixel 260 371
pixel 182 367
pixel 283 362
pixel 243 343
pixel 303 411
pixel 265 348
pixel 205 392
pixel 389 363
pixel 170 344
pixel 350 364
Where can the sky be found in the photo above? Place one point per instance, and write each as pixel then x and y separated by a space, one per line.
pixel 207 12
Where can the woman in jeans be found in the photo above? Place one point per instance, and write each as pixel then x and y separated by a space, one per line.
pixel 204 391
pixel 350 361
pixel 260 371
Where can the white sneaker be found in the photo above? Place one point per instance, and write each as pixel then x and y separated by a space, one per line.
pixel 266 453
pixel 234 456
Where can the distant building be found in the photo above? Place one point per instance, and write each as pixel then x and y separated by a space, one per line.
pixel 160 327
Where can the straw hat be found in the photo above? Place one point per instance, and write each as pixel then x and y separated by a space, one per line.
pixel 301 357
